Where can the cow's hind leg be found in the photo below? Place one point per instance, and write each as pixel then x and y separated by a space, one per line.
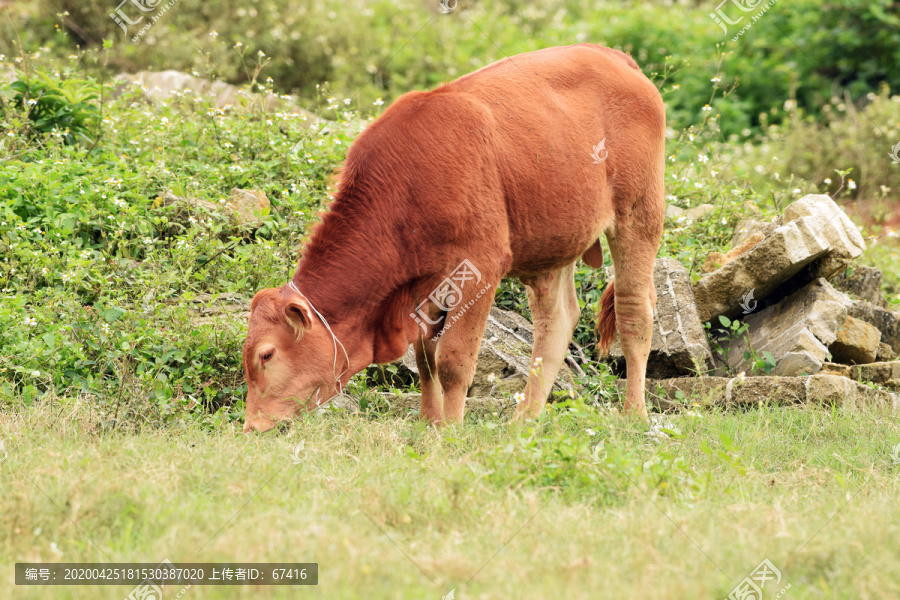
pixel 426 361
pixel 633 244
pixel 555 311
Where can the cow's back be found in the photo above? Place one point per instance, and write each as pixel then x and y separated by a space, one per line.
pixel 548 111
pixel 503 156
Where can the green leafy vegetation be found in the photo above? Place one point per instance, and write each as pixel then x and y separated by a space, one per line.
pixel 105 282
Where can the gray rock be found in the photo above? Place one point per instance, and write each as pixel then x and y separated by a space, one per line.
pixel 504 360
pixel 673 212
pixel 162 85
pixel 817 239
pixel 666 394
pixel 832 223
pixel 760 271
pixel 887 321
pixel 885 353
pixel 800 362
pixel 679 345
pixel 698 212
pixel 506 354
pixel 797 331
pixel 862 282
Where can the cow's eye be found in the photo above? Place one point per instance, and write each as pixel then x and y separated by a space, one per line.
pixel 268 354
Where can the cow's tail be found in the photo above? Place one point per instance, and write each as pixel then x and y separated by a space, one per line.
pixel 606 319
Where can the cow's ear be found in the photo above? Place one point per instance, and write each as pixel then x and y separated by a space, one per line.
pixel 299 316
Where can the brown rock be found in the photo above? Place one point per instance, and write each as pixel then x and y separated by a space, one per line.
pixel 887 321
pixel 855 343
pixel 830 389
pixel 716 259
pixel 747 227
pixel 830 368
pixel 885 373
pixel 777 390
pixel 245 205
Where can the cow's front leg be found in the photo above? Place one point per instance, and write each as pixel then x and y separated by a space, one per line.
pixel 458 346
pixel 426 361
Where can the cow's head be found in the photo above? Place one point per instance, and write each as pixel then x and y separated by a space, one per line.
pixel 290 361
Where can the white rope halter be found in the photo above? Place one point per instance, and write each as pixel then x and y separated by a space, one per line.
pixel 336 343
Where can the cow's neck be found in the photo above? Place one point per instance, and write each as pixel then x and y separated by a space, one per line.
pixel 357 280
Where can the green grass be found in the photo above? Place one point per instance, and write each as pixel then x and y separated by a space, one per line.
pixel 391 509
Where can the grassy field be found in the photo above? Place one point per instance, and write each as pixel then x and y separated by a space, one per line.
pixel 121 384
pixel 581 504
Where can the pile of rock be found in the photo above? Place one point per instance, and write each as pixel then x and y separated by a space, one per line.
pixel 823 321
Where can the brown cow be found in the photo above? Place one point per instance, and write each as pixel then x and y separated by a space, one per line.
pixel 511 171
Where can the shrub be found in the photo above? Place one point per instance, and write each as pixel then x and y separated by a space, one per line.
pixel 65 107
pixel 369 49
